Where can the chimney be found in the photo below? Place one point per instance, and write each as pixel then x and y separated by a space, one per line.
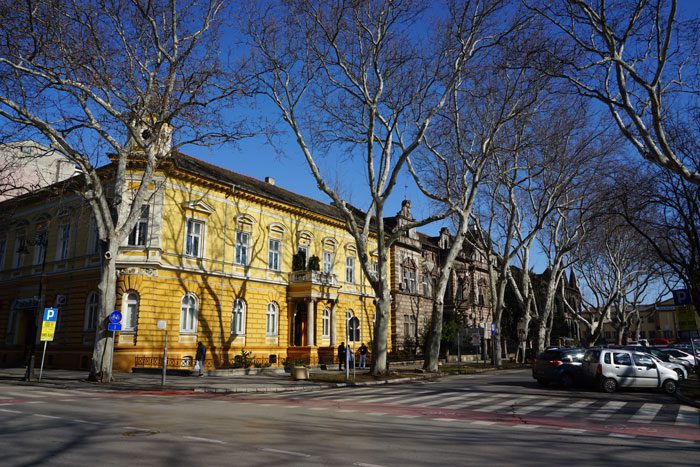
pixel 270 180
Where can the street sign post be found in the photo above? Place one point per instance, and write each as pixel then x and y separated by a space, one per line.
pixel 48 329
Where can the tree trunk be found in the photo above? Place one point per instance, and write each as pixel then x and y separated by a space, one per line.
pixel 432 347
pixel 522 337
pixel 103 351
pixel 381 332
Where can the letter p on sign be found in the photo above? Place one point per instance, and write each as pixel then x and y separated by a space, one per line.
pixel 50 314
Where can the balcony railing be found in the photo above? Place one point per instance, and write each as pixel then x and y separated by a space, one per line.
pixel 314 277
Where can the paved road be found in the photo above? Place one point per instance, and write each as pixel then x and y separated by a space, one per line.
pixel 498 419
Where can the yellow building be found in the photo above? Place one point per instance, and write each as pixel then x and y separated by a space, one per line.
pixel 211 256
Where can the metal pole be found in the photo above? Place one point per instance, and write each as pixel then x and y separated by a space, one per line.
pixel 41 369
pixel 165 359
pixel 32 346
pixel 347 351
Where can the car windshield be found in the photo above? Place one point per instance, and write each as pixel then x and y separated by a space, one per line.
pixel 591 356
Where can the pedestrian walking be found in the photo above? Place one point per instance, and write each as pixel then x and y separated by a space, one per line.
pixel 200 356
pixel 341 356
pixel 363 355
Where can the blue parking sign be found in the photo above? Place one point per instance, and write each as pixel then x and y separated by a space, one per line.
pixel 50 314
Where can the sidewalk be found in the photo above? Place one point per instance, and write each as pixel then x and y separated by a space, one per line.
pixel 69 379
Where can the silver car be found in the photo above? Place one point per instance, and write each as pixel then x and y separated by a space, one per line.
pixel 680 355
pixel 613 368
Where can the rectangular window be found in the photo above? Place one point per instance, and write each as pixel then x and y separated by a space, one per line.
pixel 93 246
pixel 40 248
pixel 242 239
pixel 20 250
pixel 327 262
pixel 304 250
pixel 63 242
pixel 3 247
pixel 139 235
pixel 326 330
pixel 409 279
pixel 350 270
pixel 195 230
pixel 273 259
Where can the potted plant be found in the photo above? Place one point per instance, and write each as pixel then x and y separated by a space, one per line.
pixel 297 368
pixel 314 263
pixel 298 262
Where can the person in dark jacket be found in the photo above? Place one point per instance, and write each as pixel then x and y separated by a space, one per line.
pixel 341 355
pixel 363 355
pixel 200 356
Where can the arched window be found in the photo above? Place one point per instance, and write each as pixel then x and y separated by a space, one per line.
pixel 460 289
pixel 238 318
pixel 91 308
pixel 188 315
pixel 353 327
pixel 326 323
pixel 272 313
pixel 130 305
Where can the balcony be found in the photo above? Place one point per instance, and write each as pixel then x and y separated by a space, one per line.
pixel 313 284
pixel 313 278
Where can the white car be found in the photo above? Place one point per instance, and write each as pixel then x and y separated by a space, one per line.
pixel 680 355
pixel 613 368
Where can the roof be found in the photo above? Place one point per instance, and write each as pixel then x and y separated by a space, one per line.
pixel 253 185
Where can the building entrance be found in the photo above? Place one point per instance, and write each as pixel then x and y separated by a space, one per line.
pixel 299 325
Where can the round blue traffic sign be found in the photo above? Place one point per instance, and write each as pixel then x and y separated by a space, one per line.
pixel 115 317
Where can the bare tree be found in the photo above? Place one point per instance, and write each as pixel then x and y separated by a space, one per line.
pixel 640 60
pixel 664 210
pixel 359 77
pixel 112 78
pixel 459 148
pixel 615 267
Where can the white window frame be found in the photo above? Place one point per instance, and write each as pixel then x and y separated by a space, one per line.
pixel 272 321
pixel 327 262
pixel 409 278
pixel 188 313
pixel 40 247
pixel 350 269
pixel 238 317
pixel 193 238
pixel 326 323
pixel 306 250
pixel 63 242
pixel 92 307
pixel 273 257
pixel 130 307
pixel 139 234
pixel 242 243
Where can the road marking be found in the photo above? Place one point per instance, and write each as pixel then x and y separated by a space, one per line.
pixel 445 419
pixel 528 427
pixel 290 453
pixel 577 431
pixel 291 406
pixel 44 416
pixel 347 410
pixel 10 411
pixel 646 413
pixel 571 408
pixel 36 402
pixel 684 441
pixel 621 435
pixel 318 408
pixel 687 416
pixel 469 403
pixel 500 405
pixel 409 416
pixel 376 413
pixel 196 438
pixel 420 399
pixel 67 400
pixel 52 393
pixel 607 411
pixel 536 406
pixel 444 400
pixel 362 464
pixel 482 422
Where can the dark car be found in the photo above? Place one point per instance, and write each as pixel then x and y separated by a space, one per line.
pixel 561 366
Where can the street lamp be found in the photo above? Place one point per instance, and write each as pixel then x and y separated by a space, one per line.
pixel 40 239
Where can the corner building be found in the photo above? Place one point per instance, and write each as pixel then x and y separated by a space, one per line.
pixel 211 256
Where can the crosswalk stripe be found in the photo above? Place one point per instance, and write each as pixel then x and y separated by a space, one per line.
pixel 469 403
pixel 607 411
pixel 646 413
pixel 422 398
pixel 508 403
pixel 578 405
pixel 536 406
pixel 687 416
pixel 22 395
pixel 444 400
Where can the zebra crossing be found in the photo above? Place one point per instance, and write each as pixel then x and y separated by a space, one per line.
pixel 32 395
pixel 482 402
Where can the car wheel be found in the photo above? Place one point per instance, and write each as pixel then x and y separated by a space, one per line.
pixel 669 386
pixel 680 374
pixel 608 385
pixel 566 381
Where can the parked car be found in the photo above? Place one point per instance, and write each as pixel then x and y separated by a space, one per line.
pixel 678 354
pixel 559 365
pixel 613 368
pixel 679 366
